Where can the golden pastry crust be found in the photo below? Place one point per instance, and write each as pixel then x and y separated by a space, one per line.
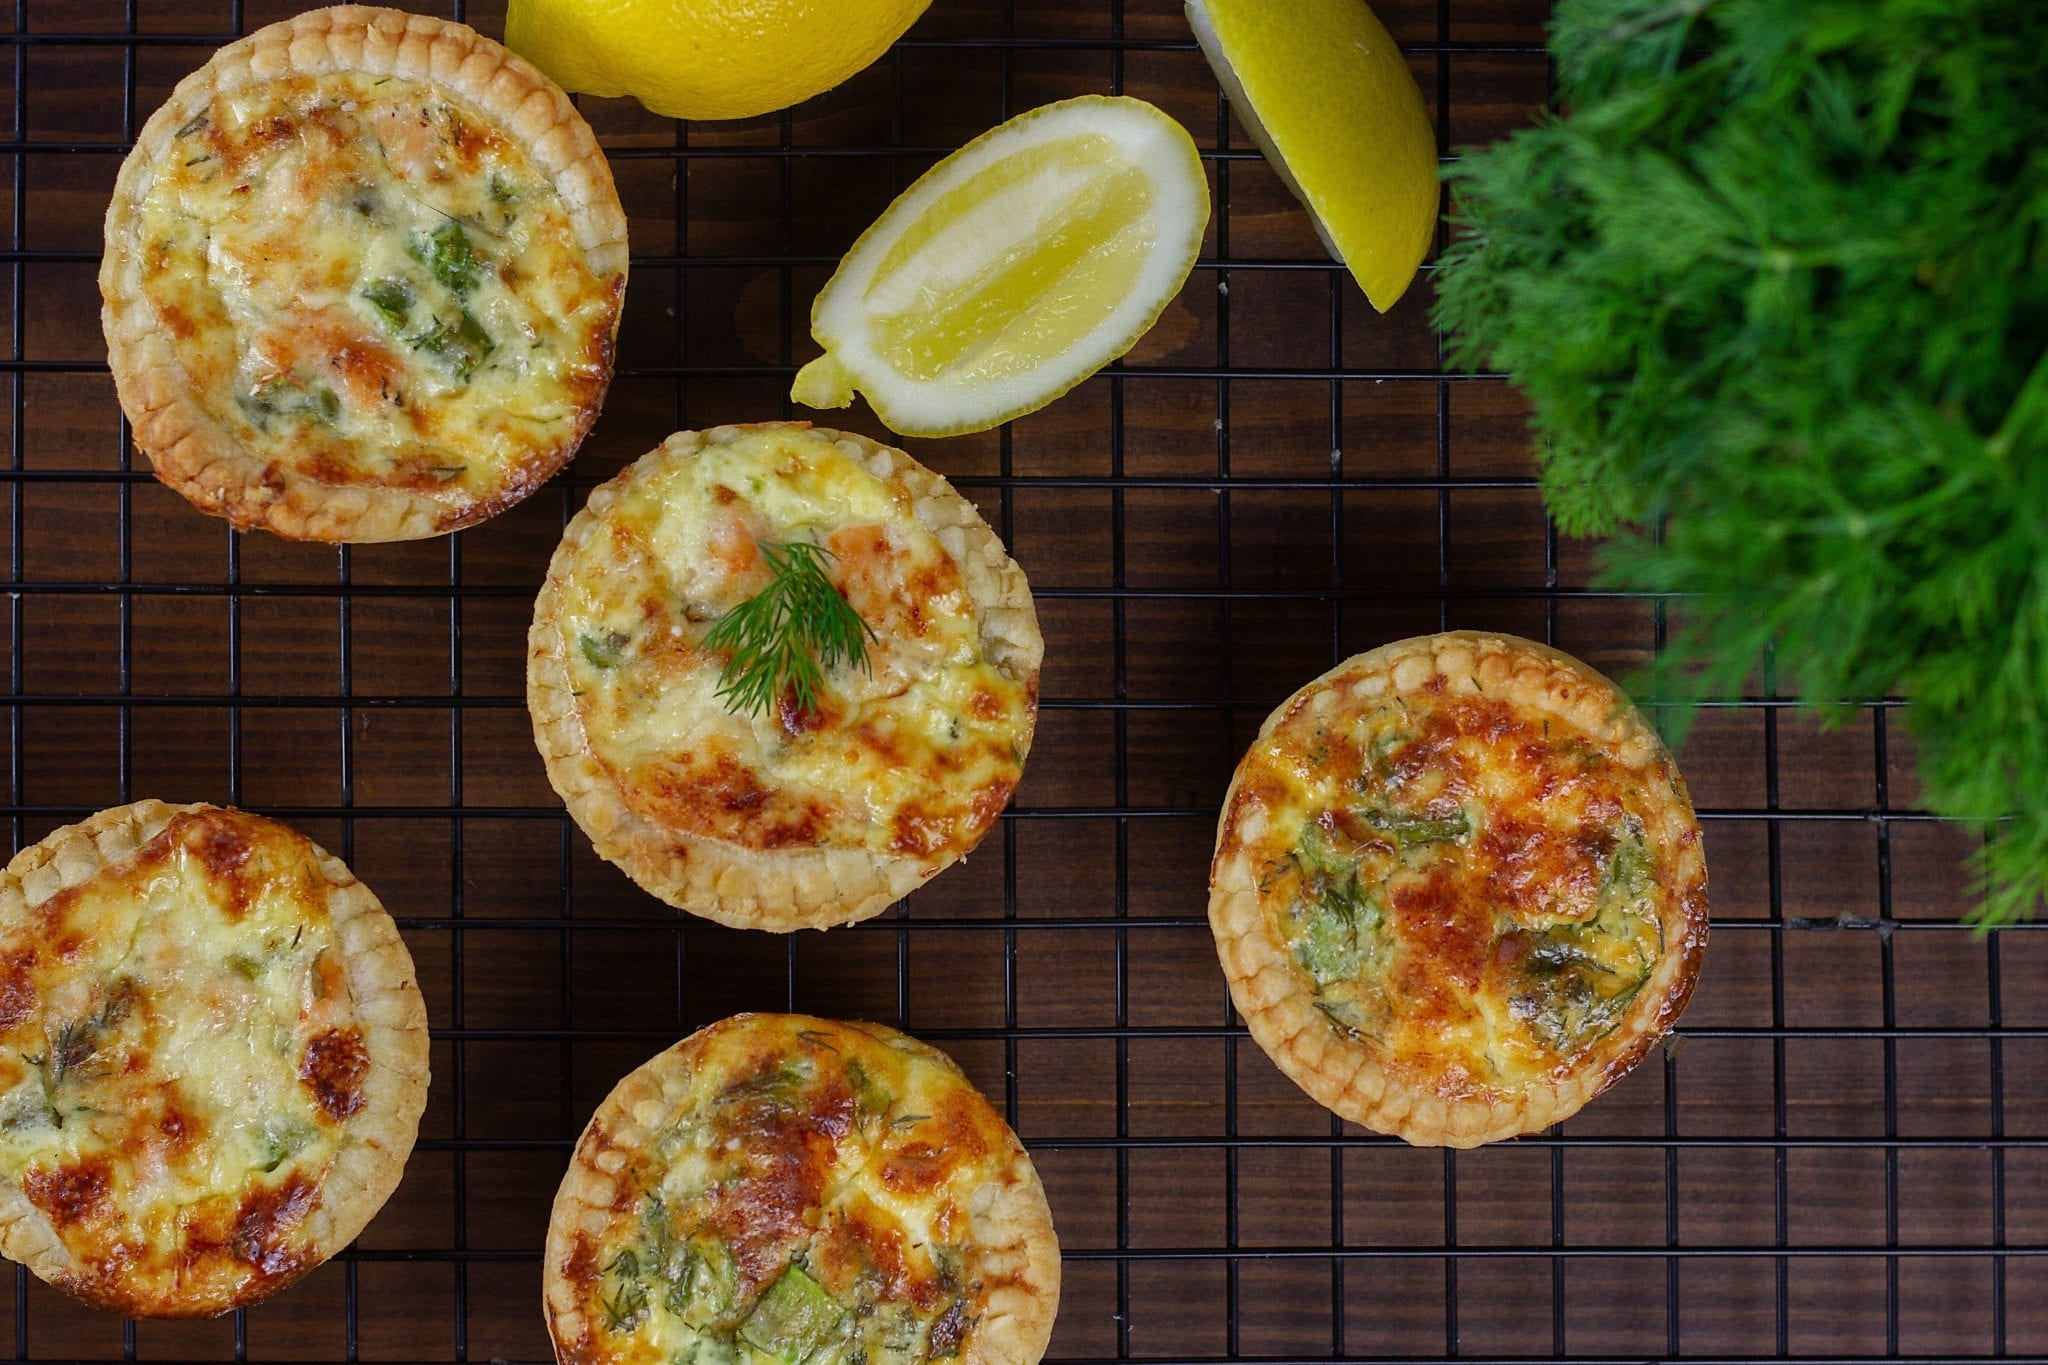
pixel 782 822
pixel 251 459
pixel 1458 888
pixel 202 1169
pixel 766 1146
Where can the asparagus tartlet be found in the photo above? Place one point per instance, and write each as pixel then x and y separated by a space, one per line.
pixel 1458 888
pixel 778 1188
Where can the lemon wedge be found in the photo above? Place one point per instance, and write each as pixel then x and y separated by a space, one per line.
pixel 1012 270
pixel 706 59
pixel 1322 89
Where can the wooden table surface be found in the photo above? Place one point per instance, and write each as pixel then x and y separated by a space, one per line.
pixel 1827 1160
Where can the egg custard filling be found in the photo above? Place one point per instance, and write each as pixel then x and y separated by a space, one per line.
pixel 909 753
pixel 805 1192
pixel 1459 882
pixel 184 1060
pixel 375 285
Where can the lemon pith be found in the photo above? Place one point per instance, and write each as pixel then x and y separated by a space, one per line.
pixel 1013 269
pixel 1325 93
pixel 706 59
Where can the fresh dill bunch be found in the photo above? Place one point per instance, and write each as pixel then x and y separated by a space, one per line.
pixel 787 635
pixel 1776 286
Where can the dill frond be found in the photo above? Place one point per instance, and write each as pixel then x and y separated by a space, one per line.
pixel 1777 289
pixel 789 634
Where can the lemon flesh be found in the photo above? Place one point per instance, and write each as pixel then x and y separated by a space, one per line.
pixel 1013 270
pixel 1323 91
pixel 706 59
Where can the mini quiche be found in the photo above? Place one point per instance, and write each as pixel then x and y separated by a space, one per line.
pixel 777 1188
pixel 1458 888
pixel 362 277
pixel 213 1058
pixel 809 810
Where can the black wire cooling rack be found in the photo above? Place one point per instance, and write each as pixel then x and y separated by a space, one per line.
pixel 1840 1155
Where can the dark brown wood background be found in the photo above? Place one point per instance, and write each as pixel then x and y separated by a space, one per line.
pixel 1829 1159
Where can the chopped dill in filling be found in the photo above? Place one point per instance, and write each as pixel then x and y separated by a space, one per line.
pixel 1338 933
pixel 1577 980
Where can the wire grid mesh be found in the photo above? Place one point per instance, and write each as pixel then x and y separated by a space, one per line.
pixel 1839 1156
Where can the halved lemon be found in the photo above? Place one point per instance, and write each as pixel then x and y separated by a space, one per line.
pixel 1012 270
pixel 1322 89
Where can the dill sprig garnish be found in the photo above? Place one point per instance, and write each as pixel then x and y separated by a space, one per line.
pixel 787 635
